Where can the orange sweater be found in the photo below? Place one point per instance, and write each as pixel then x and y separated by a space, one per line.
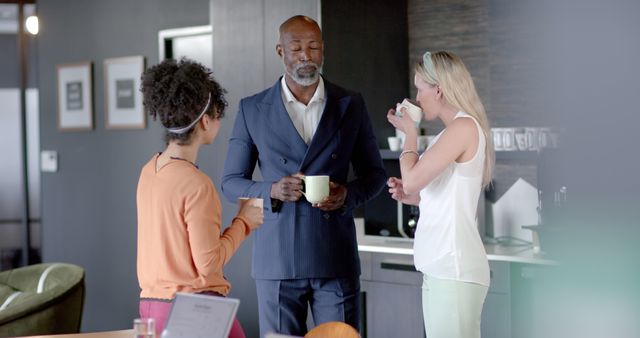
pixel 180 245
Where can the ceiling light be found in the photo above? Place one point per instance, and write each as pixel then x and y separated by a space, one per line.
pixel 32 24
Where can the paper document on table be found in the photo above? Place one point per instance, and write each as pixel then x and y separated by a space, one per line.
pixel 200 316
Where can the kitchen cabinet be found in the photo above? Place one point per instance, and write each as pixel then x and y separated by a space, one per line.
pixel 392 310
pixel 496 314
pixel 392 298
pixel 527 282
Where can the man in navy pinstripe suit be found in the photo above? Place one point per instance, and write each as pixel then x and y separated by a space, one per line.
pixel 304 255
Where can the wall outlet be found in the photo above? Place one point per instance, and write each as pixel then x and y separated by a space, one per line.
pixel 49 161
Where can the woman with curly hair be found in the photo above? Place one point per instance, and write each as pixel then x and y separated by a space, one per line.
pixel 180 244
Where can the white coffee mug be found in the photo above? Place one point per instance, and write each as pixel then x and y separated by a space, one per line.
pixel 532 138
pixel 509 141
pixel 423 142
pixel 498 139
pixel 394 143
pixel 316 188
pixel 521 139
pixel 411 107
pixel 401 136
pixel 553 138
pixel 543 137
pixel 255 202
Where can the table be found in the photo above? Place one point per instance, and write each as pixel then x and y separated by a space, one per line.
pixel 105 334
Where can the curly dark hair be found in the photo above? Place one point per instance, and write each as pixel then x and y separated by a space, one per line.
pixel 177 91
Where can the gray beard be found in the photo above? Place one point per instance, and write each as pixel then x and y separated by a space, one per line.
pixel 304 80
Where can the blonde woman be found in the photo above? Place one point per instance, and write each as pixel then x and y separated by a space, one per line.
pixel 445 182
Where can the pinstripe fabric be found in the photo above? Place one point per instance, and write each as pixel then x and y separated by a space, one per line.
pixel 282 304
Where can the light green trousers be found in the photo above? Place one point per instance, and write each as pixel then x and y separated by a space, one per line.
pixel 452 309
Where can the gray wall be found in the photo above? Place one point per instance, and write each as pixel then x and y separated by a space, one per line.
pixel 245 62
pixel 367 51
pixel 493 37
pixel 10 66
pixel 88 206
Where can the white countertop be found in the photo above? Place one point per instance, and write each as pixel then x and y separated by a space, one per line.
pixel 495 252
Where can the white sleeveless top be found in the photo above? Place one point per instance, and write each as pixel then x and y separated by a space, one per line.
pixel 447 244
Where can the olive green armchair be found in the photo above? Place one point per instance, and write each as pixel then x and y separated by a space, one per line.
pixel 41 299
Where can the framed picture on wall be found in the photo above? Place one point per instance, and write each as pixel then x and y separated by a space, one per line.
pixel 123 99
pixel 75 96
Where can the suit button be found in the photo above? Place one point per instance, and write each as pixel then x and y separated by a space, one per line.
pixel 334 156
pixel 326 216
pixel 284 160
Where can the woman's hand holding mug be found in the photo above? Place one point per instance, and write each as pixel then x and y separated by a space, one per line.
pixel 402 122
pixel 252 210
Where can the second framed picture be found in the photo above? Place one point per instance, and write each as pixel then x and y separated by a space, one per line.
pixel 123 100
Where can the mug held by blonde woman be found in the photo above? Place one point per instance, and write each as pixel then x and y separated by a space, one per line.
pixel 412 108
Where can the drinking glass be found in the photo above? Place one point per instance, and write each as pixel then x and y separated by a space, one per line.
pixel 144 328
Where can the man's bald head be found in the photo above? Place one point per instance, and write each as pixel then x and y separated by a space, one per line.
pixel 297 22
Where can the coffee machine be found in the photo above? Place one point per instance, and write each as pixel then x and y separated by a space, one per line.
pixel 386 217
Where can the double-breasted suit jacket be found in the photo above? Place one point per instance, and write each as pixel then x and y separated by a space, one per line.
pixel 296 239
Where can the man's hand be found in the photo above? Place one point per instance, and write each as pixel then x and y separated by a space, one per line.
pixel 335 200
pixel 288 189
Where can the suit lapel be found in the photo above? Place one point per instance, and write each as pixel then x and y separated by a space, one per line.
pixel 329 124
pixel 280 121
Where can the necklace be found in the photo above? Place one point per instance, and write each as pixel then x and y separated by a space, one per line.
pixel 181 159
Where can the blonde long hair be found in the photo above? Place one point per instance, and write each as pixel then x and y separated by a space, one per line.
pixel 447 70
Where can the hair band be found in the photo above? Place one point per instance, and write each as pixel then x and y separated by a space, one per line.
pixel 427 65
pixel 182 130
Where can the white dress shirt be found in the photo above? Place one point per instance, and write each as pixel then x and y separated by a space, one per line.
pixel 305 117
